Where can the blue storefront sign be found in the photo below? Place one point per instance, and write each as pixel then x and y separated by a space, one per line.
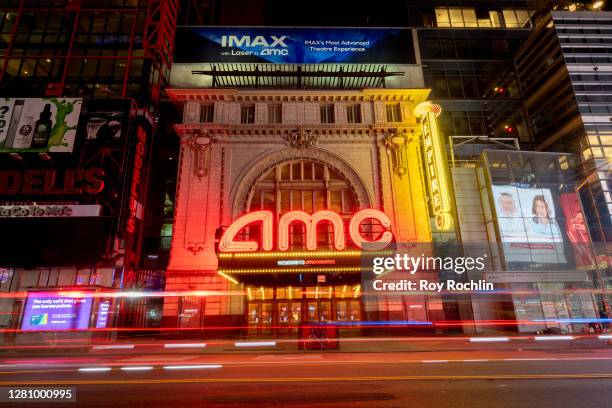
pixel 294 45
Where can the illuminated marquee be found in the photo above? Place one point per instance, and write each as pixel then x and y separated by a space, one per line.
pixel 228 242
pixel 433 149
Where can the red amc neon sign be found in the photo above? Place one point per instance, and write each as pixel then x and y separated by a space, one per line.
pixel 266 218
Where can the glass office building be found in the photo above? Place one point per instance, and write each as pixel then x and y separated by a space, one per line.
pixel 564 70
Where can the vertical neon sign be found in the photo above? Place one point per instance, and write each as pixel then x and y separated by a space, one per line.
pixel 435 161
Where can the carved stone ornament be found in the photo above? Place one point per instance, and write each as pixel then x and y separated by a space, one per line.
pixel 301 139
pixel 201 144
pixel 195 247
pixel 397 147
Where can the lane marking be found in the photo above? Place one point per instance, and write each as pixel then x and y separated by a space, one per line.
pixel 137 368
pixel 114 347
pixel 605 336
pixel 435 361
pixel 194 367
pixel 184 345
pixel 255 344
pixel 531 359
pixel 553 338
pixel 94 369
pixel 488 339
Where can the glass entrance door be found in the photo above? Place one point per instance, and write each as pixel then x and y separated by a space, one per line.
pixel 281 310
pixel 289 316
pixel 259 318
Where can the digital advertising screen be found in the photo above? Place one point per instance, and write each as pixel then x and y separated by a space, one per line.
pixel 50 311
pixel 103 310
pixel 281 45
pixel 526 214
pixel 528 224
pixel 576 229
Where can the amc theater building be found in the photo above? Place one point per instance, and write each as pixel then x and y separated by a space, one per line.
pixel 254 162
pixel 280 152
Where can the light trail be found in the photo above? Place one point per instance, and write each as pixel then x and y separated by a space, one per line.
pixel 223 343
pixel 205 293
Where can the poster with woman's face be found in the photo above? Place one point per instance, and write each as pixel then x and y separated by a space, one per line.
pixel 538 209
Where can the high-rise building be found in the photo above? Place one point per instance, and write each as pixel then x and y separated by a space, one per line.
pixel 81 82
pixel 565 72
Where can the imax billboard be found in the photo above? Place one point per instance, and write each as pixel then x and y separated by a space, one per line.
pixel 294 45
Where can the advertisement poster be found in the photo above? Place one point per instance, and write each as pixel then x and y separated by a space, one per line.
pixel 294 45
pixel 106 126
pixel 46 311
pixel 528 225
pixel 576 229
pixel 38 125
pixel 103 309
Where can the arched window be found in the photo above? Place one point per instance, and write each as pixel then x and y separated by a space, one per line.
pixel 307 186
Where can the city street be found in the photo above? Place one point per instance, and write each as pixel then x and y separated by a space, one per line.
pixel 554 377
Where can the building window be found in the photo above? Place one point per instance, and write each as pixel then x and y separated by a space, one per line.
pixel 247 114
pixel 353 113
pixel 394 112
pixel 516 18
pixel 166 236
pixel 469 17
pixel 275 113
pixel 495 19
pixel 327 113
pixel 456 17
pixel 208 113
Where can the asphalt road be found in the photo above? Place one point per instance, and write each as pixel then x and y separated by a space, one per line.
pixel 553 378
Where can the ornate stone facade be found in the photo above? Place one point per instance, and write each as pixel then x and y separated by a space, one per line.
pixel 209 199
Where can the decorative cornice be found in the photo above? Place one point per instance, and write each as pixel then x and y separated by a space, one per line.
pixel 284 129
pixel 297 95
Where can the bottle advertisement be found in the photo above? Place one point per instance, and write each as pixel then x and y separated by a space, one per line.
pixel 43 125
